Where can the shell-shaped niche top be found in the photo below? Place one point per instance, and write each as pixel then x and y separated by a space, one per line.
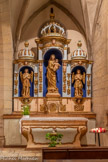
pixel 53 28
pixel 26 53
pixel 79 53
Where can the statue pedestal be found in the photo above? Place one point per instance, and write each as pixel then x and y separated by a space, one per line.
pixel 53 104
pixel 53 94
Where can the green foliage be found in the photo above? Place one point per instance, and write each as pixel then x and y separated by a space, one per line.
pixel 26 110
pixel 54 138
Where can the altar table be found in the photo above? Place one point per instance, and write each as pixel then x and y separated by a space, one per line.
pixel 27 124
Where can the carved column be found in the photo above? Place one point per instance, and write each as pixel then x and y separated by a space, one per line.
pixel 40 80
pixel 88 81
pixel 16 80
pixel 36 81
pixel 68 80
pixel 64 80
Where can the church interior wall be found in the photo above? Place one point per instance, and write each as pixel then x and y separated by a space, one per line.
pixel 100 69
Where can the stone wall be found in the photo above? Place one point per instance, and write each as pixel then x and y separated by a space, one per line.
pixel 6 57
pixel 100 69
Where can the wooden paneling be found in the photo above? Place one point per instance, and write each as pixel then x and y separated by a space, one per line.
pixel 75 153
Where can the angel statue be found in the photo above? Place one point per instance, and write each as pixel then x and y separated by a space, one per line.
pixel 25 79
pixel 79 81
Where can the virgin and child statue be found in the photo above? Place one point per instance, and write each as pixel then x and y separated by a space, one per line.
pixel 53 66
pixel 26 77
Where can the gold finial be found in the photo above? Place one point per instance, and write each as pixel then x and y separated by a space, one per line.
pixel 79 44
pixel 26 44
pixel 52 15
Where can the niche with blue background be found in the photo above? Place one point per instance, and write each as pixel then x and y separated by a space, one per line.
pixel 31 83
pixel 58 56
pixel 82 69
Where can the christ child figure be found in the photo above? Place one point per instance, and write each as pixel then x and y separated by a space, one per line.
pixel 56 65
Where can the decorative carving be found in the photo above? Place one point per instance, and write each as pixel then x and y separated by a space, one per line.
pixel 68 75
pixel 64 69
pixel 88 75
pixel 36 74
pixel 44 107
pixel 45 49
pixel 88 92
pixel 64 77
pixel 36 90
pixel 64 88
pixel 16 75
pixel 79 104
pixel 36 82
pixel 68 91
pixel 68 83
pixel 40 87
pixel 53 41
pixel 40 78
pixel 79 107
pixel 15 82
pixel 62 107
pixel 20 64
pixel 15 91
pixel 76 100
pixel 48 45
pixel 79 62
pixel 53 28
pixel 88 84
pixel 53 107
pixel 26 100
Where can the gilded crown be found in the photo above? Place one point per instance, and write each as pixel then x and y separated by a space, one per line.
pixel 53 28
pixel 26 53
pixel 79 53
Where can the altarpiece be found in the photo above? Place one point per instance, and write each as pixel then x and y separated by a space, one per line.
pixel 52 84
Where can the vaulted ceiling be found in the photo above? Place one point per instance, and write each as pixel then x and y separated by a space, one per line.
pixel 27 16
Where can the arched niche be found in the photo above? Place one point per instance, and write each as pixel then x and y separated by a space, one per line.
pixel 58 56
pixel 31 83
pixel 82 69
